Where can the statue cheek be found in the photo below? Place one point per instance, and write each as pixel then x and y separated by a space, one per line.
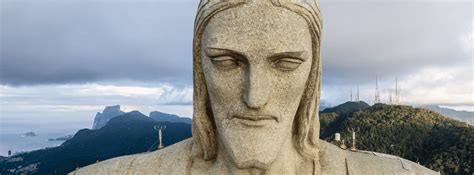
pixel 290 88
pixel 224 87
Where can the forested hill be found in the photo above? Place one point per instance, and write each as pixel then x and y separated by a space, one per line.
pixel 420 135
pixel 347 107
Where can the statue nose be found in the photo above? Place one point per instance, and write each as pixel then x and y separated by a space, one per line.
pixel 256 89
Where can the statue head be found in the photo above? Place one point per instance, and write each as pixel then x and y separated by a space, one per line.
pixel 257 76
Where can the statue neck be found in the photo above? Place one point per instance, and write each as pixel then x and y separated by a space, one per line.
pixel 289 161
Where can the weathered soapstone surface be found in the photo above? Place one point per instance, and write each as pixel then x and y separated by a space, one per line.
pixel 257 76
pixel 178 159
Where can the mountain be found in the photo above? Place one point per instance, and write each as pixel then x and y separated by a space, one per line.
pixel 417 134
pixel 332 117
pixel 109 112
pixel 164 117
pixel 126 134
pixel 323 105
pixel 347 107
pixel 465 116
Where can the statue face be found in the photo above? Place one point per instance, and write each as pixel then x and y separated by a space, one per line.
pixel 256 60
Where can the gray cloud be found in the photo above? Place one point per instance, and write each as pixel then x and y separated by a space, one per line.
pixel 75 42
pixel 149 42
pixel 389 39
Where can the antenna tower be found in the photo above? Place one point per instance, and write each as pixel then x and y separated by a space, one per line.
pixel 377 93
pixel 396 91
pixel 357 98
pixel 390 97
pixel 351 94
pixel 353 132
pixel 160 137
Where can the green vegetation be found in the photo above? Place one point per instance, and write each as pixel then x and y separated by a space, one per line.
pixel 419 135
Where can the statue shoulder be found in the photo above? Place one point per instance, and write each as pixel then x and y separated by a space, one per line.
pixel 367 162
pixel 172 159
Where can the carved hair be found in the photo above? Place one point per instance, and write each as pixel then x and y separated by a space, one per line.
pixel 306 123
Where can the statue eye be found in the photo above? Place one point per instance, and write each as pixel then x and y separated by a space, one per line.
pixel 287 64
pixel 225 62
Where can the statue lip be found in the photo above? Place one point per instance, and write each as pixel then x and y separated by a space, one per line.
pixel 255 120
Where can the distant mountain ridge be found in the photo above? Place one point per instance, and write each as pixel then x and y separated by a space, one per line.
pixel 164 117
pixel 464 116
pixel 111 112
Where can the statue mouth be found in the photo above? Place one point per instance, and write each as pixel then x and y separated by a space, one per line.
pixel 256 120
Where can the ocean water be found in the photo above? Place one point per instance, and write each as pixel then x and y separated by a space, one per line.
pixel 16 142
pixel 13 128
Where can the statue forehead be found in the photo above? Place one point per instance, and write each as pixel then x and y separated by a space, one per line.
pixel 251 27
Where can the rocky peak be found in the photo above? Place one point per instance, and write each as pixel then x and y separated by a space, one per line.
pixel 108 113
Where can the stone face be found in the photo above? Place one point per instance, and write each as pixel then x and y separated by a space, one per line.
pixel 257 75
pixel 255 80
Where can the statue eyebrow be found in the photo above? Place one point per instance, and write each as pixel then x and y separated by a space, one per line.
pixel 295 54
pixel 216 52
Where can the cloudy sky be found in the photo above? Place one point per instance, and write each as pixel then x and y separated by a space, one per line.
pixel 64 60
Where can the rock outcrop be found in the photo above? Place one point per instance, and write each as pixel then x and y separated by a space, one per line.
pixel 109 112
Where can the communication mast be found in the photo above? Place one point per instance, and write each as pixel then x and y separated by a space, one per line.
pixel 353 141
pixel 396 98
pixel 353 131
pixel 351 94
pixel 396 90
pixel 357 98
pixel 377 93
pixel 159 129
pixel 390 97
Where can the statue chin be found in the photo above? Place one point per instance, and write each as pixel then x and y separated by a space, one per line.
pixel 252 149
pixel 253 164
